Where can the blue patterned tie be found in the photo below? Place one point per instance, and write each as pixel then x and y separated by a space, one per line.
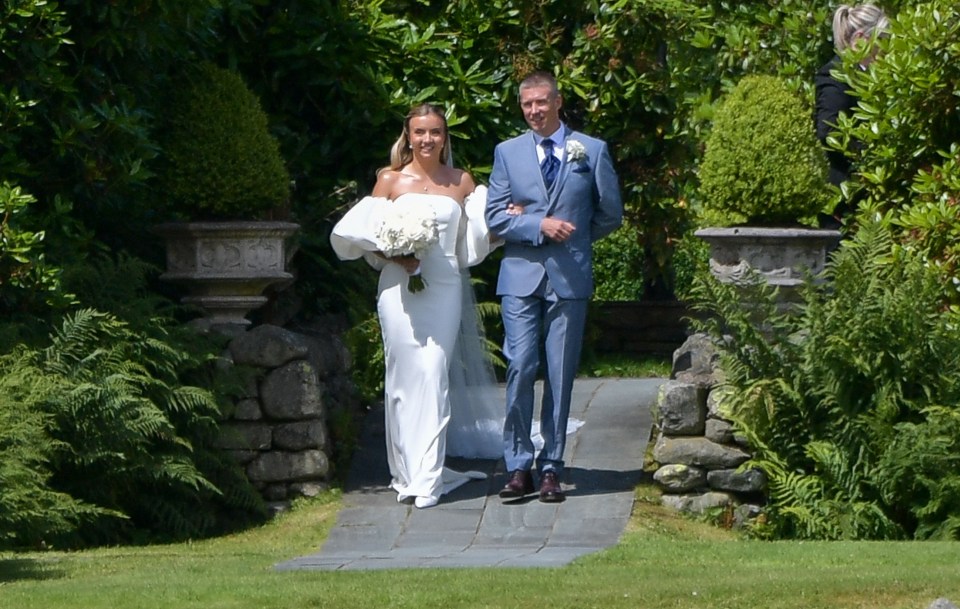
pixel 551 164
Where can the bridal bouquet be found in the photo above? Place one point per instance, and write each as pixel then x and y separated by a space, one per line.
pixel 403 230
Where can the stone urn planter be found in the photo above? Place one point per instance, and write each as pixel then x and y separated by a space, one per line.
pixel 226 266
pixel 781 256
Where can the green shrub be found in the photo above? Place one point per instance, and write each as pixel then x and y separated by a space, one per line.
pixel 26 280
pixel 907 123
pixel 762 163
pixel 101 402
pixel 30 510
pixel 692 257
pixel 850 403
pixel 221 161
pixel 618 266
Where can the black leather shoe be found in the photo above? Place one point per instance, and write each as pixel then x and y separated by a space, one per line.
pixel 520 484
pixel 550 491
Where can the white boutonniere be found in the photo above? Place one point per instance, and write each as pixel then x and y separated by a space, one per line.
pixel 575 151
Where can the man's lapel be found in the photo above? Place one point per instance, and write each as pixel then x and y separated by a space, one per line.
pixel 566 164
pixel 554 191
pixel 532 159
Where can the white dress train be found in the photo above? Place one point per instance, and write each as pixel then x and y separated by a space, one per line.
pixel 431 343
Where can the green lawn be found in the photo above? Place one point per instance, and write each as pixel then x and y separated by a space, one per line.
pixel 663 561
pixel 625 366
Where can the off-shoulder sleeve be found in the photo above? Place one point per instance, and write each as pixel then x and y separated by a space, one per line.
pixel 353 236
pixel 476 244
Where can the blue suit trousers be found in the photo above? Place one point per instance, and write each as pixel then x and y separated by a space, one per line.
pixel 541 318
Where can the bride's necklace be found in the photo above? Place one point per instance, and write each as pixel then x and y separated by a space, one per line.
pixel 425 180
pixel 427 183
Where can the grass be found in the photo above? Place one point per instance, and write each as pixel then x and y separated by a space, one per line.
pixel 664 560
pixel 625 366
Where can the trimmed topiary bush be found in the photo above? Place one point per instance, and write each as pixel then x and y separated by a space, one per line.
pixel 222 161
pixel 762 164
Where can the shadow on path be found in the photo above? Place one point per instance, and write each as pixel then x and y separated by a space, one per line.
pixel 471 527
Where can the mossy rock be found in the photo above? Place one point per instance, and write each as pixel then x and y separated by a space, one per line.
pixel 763 164
pixel 222 163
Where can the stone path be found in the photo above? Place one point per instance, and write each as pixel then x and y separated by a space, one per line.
pixel 471 527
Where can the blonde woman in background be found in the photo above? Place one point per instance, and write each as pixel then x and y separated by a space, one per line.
pixel 852 25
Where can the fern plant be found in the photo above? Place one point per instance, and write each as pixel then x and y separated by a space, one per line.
pixel 850 401
pixel 125 419
pixel 30 510
pixel 110 443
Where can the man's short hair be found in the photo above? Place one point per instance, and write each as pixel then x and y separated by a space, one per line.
pixel 540 78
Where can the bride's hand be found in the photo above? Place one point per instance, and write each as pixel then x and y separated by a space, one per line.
pixel 514 209
pixel 409 263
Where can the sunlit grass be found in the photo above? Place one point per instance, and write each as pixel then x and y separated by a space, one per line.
pixel 664 560
pixel 625 366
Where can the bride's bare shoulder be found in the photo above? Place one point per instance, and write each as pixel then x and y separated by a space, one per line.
pixel 387 180
pixel 388 175
pixel 465 184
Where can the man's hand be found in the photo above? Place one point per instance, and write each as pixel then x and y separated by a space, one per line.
pixel 556 230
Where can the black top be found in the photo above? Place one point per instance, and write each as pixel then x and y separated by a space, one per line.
pixel 833 97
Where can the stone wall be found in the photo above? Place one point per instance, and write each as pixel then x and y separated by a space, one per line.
pixel 695 450
pixel 279 430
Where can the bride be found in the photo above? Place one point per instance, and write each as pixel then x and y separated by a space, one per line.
pixel 440 395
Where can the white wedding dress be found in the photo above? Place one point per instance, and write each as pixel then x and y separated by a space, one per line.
pixel 439 399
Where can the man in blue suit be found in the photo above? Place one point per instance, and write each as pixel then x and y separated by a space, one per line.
pixel 553 192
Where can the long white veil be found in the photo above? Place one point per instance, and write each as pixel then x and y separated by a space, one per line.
pixel 476 402
pixel 477 406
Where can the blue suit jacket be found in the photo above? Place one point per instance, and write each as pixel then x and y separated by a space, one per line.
pixel 586 193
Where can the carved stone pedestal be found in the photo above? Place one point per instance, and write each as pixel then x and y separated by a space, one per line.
pixel 781 256
pixel 226 266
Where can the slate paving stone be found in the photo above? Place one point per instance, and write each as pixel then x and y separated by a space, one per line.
pixel 472 527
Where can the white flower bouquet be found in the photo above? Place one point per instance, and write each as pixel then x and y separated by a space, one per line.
pixel 404 230
pixel 576 151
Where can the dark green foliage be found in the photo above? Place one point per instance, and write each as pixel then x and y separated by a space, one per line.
pixel 26 280
pixel 366 346
pixel 221 161
pixel 851 402
pixel 105 400
pixel 30 510
pixel 763 163
pixel 907 125
pixel 618 266
pixel 692 257
pixel 921 463
pixel 122 418
pixel 82 84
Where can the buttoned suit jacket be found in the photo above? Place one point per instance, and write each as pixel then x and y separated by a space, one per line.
pixel 586 193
